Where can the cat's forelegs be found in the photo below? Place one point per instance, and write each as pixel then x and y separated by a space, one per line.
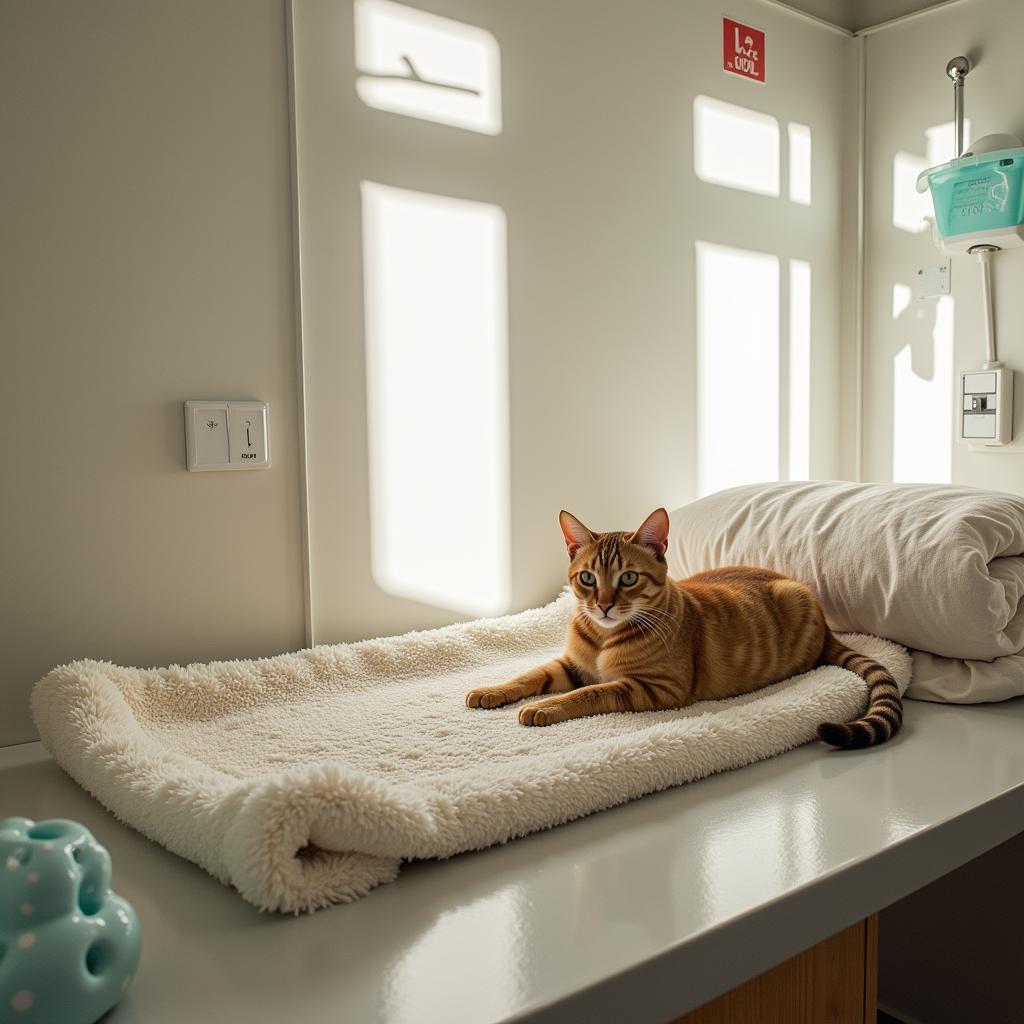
pixel 553 677
pixel 627 694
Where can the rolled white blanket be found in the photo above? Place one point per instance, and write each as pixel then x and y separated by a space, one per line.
pixel 939 569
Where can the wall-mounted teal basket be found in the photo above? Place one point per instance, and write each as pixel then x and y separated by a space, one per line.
pixel 978 199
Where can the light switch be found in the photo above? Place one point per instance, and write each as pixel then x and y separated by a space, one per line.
pixel 979 425
pixel 986 402
pixel 226 435
pixel 247 433
pixel 206 433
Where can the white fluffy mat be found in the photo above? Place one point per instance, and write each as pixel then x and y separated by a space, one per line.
pixel 306 779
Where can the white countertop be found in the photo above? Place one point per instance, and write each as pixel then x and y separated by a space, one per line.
pixel 639 913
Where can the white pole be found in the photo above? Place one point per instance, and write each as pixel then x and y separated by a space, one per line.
pixel 984 258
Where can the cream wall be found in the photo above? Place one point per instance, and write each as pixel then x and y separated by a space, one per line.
pixel 146 243
pixel 907 92
pixel 148 259
pixel 594 170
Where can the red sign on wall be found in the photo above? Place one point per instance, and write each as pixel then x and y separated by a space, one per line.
pixel 742 50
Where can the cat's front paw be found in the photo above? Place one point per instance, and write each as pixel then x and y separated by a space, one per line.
pixel 537 714
pixel 488 697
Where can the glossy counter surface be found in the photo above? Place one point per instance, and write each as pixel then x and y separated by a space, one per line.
pixel 635 914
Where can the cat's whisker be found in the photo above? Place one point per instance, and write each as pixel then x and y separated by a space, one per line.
pixel 662 613
pixel 645 614
pixel 658 631
pixel 652 627
pixel 658 626
pixel 663 637
pixel 634 626
pixel 649 631
pixel 646 627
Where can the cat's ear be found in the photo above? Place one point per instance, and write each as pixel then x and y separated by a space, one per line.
pixel 654 532
pixel 575 533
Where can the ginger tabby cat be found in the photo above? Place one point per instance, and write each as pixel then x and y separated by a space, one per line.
pixel 643 642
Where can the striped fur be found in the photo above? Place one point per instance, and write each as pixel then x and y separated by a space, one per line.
pixel 884 714
pixel 641 641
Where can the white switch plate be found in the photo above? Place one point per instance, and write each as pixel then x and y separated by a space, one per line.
pixel 247 433
pixel 986 406
pixel 206 434
pixel 932 281
pixel 226 435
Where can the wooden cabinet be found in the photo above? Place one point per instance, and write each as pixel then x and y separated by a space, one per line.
pixel 834 982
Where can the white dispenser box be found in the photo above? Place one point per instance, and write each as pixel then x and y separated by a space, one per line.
pixel 226 435
pixel 986 406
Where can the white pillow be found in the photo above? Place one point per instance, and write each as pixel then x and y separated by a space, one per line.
pixel 936 568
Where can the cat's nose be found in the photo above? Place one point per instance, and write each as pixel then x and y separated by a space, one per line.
pixel 604 607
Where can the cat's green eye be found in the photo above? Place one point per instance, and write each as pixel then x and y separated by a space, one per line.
pixel 588 579
pixel 628 578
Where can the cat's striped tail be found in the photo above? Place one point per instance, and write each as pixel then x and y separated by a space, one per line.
pixel 884 715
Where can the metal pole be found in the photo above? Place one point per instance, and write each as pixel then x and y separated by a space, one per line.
pixel 957 70
pixel 958 114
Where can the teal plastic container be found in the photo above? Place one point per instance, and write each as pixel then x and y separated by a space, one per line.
pixel 977 193
pixel 69 946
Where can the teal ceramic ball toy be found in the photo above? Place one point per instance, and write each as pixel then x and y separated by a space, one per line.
pixel 68 945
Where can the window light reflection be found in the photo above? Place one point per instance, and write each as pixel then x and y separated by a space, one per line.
pixel 437 394
pixel 737 366
pixel 425 66
pixel 735 146
pixel 799 163
pixel 922 402
pixel 799 370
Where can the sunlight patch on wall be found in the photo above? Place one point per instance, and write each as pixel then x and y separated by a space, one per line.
pixel 437 394
pixel 923 398
pixel 912 210
pixel 799 163
pixel 737 366
pixel 901 299
pixel 735 146
pixel 799 370
pixel 940 141
pixel 426 66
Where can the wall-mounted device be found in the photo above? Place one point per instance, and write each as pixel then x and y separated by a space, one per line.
pixel 979 209
pixel 979 196
pixel 226 435
pixel 986 406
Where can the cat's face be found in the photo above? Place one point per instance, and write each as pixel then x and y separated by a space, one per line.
pixel 616 576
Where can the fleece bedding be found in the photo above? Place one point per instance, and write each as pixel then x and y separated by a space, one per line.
pixel 937 568
pixel 306 779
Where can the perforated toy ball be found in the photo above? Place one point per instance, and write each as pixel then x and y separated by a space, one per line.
pixel 68 945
